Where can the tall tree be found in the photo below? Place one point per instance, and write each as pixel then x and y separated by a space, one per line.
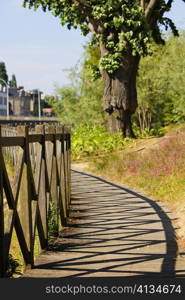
pixel 161 89
pixel 3 73
pixel 13 81
pixel 123 30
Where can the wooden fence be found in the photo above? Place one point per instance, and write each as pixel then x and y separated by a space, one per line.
pixel 41 175
pixel 10 152
pixel 30 121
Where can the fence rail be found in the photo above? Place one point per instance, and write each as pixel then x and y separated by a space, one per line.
pixel 31 121
pixel 41 176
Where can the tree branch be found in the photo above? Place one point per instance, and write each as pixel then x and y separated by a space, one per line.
pixel 150 7
pixel 142 3
pixel 169 3
pixel 91 27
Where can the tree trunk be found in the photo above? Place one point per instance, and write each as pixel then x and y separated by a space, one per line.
pixel 120 94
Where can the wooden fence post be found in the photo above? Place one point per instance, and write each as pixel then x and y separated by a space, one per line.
pixel 41 189
pixel 62 193
pixel 53 176
pixel 25 197
pixel 65 169
pixel 2 246
pixel 67 166
pixel 69 163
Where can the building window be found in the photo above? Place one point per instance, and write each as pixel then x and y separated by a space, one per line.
pixel 2 112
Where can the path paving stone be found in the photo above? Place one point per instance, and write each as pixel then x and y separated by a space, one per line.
pixel 112 231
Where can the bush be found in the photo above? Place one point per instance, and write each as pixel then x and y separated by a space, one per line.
pixel 153 132
pixel 93 140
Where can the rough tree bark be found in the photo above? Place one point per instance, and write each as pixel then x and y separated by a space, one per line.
pixel 120 94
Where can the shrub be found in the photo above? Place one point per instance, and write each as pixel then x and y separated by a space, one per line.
pixel 93 140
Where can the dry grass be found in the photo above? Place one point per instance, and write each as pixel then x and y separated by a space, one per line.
pixel 158 170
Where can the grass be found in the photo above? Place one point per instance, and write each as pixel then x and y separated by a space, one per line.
pixel 157 169
pixel 16 261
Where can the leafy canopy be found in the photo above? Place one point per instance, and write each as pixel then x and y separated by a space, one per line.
pixel 119 25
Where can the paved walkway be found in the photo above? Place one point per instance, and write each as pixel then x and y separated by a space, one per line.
pixel 112 231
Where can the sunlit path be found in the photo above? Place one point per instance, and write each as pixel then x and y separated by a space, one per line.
pixel 112 232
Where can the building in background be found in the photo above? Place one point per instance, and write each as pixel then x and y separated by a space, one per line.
pixel 24 103
pixel 21 102
pixel 48 112
pixel 46 109
pixel 36 94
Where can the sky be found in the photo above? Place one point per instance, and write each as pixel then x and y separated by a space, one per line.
pixel 39 51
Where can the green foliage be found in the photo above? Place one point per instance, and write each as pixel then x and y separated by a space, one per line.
pixel 79 103
pixel 66 105
pixel 148 132
pixel 120 25
pixel 94 140
pixel 160 83
pixel 3 73
pixel 121 29
pixel 161 86
pixel 110 62
pixel 13 81
pixel 52 222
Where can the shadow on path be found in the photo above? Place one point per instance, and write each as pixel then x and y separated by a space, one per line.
pixel 113 231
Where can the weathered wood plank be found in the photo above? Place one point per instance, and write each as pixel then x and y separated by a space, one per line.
pixel 13 141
